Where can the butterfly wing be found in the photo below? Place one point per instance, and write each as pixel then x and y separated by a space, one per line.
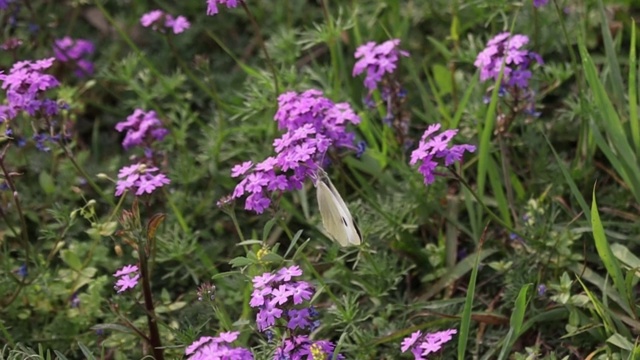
pixel 336 217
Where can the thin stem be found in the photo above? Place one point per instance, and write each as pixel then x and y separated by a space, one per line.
pixel 256 27
pixel 16 200
pixel 154 333
pixel 84 174
pixel 491 213
pixel 504 157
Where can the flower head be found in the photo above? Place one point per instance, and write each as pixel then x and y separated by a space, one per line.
pixel 25 85
pixel 508 49
pixel 219 347
pixel 539 3
pixel 313 124
pixel 159 20
pixel 377 60
pixel 142 128
pixel 212 5
pixel 127 276
pixel 140 179
pixel 421 346
pixel 75 51
pixel 433 148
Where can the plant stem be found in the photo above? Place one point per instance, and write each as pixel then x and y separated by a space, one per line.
pixel 152 320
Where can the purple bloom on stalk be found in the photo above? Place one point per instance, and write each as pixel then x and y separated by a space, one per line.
pixel 25 85
pixel 312 123
pixel 436 147
pixel 377 60
pixel 158 20
pixel 421 346
pixel 140 179
pixel 127 276
pixel 506 48
pixel 207 348
pixel 299 347
pixel 142 128
pixel 75 51
pixel 212 5
pixel 538 3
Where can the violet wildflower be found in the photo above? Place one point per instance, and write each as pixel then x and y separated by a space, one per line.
pixel 76 52
pixel 4 4
pixel 25 85
pixel 212 5
pixel 423 345
pixel 159 20
pixel 539 3
pixel 377 60
pixel 142 129
pixel 517 61
pixel 127 276
pixel 140 179
pixel 313 124
pixel 436 147
pixel 279 297
pixel 219 347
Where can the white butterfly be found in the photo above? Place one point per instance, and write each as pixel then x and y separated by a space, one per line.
pixel 336 218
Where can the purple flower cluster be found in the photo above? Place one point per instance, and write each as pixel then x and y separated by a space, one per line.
pixel 25 85
pixel 158 20
pixel 278 297
pixel 539 3
pixel 140 179
pixel 433 147
pixel 128 277
pixel 421 346
pixel 75 51
pixel 507 48
pixel 313 124
pixel 142 129
pixel 212 5
pixel 208 348
pixel 377 60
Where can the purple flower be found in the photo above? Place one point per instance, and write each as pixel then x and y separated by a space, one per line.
pixel 422 346
pixel 299 347
pixel 538 3
pixel 313 124
pixel 436 147
pixel 25 85
pixel 207 347
pixel 212 5
pixel 140 179
pixel 142 129
pixel 506 48
pixel 75 51
pixel 377 60
pixel 127 276
pixel 158 20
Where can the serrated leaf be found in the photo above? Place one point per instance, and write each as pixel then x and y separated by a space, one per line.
pixel 46 183
pixel 71 259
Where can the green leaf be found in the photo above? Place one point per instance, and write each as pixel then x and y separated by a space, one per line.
pixel 87 353
pixel 517 319
pixel 442 77
pixel 604 251
pixel 240 261
pixel 71 259
pixel 46 183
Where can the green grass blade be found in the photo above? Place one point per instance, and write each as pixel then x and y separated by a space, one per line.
pixel 465 321
pixel 604 251
pixel 517 319
pixel 569 180
pixel 612 59
pixel 633 91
